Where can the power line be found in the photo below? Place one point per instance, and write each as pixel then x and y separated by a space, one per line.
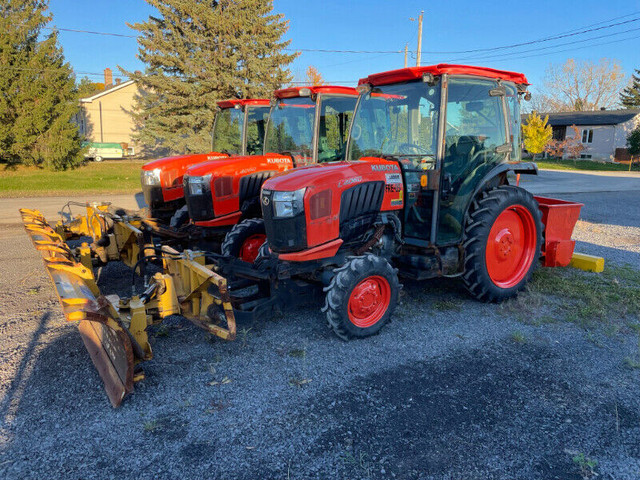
pixel 510 54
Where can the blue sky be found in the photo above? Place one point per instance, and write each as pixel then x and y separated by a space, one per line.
pixel 374 25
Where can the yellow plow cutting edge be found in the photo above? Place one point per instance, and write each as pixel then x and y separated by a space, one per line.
pixel 116 338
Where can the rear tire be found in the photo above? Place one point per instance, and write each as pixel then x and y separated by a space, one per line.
pixel 244 240
pixel 179 218
pixel 502 242
pixel 361 297
pixel 98 158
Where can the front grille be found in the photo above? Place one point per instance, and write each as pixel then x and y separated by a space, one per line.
pixel 284 234
pixel 359 206
pixel 200 206
pixel 250 186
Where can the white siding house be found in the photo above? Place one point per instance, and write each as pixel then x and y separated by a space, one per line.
pixel 603 133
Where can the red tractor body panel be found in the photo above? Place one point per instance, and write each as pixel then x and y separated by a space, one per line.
pixel 322 222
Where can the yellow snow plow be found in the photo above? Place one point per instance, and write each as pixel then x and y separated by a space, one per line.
pixel 114 329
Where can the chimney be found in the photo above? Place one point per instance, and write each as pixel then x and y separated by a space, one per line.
pixel 108 78
pixel 118 80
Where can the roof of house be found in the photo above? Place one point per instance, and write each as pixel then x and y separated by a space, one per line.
pixel 597 117
pixel 106 92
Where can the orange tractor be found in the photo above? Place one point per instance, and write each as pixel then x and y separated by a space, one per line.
pixel 238 129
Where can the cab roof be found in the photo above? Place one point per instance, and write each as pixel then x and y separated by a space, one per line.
pixel 232 102
pixel 306 91
pixel 415 73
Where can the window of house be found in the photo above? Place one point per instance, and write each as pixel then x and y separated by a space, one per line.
pixel 587 136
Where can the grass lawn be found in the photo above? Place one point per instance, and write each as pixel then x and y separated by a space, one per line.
pixel 558 164
pixel 116 176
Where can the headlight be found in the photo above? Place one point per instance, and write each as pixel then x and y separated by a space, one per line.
pixel 288 204
pixel 150 177
pixel 197 184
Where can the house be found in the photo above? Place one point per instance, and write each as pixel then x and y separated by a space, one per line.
pixel 603 133
pixel 104 117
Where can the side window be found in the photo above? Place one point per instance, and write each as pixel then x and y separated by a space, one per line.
pixel 514 121
pixel 256 122
pixel 335 115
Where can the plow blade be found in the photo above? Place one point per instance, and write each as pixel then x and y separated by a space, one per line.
pixel 102 332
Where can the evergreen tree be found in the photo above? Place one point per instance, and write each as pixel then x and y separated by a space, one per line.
pixel 630 96
pixel 197 53
pixel 87 87
pixel 39 95
pixel 536 133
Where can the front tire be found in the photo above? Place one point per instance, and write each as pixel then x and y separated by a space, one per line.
pixel 361 297
pixel 502 242
pixel 244 240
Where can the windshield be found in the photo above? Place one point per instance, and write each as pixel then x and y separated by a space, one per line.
pixel 399 120
pixel 257 117
pixel 290 127
pixel 336 113
pixel 227 131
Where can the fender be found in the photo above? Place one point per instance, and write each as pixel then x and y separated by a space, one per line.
pixel 525 168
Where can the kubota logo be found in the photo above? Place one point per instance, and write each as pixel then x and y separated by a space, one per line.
pixel 384 168
pixel 265 201
pixel 278 160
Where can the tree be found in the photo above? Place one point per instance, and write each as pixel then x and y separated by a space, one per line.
pixel 197 53
pixel 39 97
pixel 313 76
pixel 580 85
pixel 536 133
pixel 571 146
pixel 87 87
pixel 630 96
pixel 633 142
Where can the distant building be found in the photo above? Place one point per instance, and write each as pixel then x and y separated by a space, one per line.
pixel 104 117
pixel 603 132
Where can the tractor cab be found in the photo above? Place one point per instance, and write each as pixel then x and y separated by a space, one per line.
pixel 447 127
pixel 238 129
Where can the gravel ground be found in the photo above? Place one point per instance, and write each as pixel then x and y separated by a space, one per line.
pixel 448 390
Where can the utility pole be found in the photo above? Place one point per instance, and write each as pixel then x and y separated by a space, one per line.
pixel 419 53
pixel 406 53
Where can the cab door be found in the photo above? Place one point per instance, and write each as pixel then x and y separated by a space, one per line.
pixel 475 137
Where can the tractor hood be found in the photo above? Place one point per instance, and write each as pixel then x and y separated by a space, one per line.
pixel 172 169
pixel 336 174
pixel 238 166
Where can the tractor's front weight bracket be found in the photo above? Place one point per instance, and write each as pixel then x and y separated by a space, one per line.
pixel 114 331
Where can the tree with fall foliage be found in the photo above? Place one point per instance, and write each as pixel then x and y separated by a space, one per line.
pixel 580 86
pixel 536 133
pixel 313 76
pixel 197 53
pixel 38 94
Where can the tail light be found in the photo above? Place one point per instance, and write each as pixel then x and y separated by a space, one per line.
pixel 320 205
pixel 223 186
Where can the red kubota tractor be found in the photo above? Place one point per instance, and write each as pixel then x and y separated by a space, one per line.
pixel 307 125
pixel 238 130
pixel 425 191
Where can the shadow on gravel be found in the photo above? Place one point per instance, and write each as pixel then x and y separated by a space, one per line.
pixel 9 404
pixel 503 412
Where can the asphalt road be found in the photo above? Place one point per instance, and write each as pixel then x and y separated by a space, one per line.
pixel 441 393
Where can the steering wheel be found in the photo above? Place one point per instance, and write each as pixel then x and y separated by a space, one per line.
pixel 420 150
pixel 480 152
